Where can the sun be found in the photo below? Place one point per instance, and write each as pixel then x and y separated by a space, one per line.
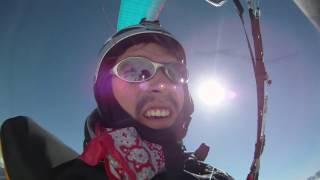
pixel 213 92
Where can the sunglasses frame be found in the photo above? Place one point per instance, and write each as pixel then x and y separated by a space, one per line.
pixel 156 65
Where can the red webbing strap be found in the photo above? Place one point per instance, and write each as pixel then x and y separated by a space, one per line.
pixel 261 78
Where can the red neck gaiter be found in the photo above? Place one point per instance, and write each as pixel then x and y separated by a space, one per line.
pixel 125 154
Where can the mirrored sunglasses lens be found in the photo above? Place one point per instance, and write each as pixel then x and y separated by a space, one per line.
pixel 135 69
pixel 177 72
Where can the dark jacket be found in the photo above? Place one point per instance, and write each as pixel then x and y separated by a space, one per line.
pixel 39 152
pixel 194 169
pixel 179 164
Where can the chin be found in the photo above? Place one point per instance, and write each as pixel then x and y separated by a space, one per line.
pixel 155 123
pixel 158 125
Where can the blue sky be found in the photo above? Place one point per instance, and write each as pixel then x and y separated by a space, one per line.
pixel 48 55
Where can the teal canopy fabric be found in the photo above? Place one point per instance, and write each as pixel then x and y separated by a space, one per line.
pixel 132 11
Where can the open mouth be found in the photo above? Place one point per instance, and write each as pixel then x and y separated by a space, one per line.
pixel 157 113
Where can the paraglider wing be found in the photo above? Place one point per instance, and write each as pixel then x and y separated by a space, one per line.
pixel 132 11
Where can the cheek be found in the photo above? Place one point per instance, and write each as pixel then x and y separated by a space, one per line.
pixel 125 94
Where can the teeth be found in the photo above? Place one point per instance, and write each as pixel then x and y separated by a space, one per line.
pixel 157 113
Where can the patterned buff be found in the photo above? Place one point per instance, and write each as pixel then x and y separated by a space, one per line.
pixel 126 156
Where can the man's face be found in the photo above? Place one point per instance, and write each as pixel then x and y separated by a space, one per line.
pixel 155 103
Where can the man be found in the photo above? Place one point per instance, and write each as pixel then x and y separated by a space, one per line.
pixel 144 109
pixel 143 112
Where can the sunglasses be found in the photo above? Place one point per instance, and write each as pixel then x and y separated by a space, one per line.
pixel 141 69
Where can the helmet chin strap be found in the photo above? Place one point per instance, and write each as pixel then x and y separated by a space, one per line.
pixel 173 134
